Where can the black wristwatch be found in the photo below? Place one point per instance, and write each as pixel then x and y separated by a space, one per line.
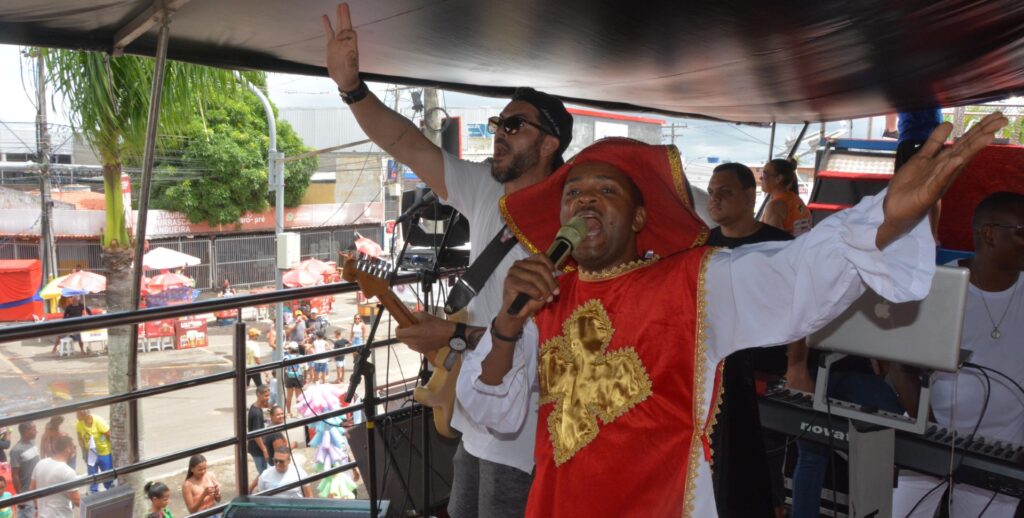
pixel 458 342
pixel 356 95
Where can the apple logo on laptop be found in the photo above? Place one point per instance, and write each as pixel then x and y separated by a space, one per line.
pixel 882 309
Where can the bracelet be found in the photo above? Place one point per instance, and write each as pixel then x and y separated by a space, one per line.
pixel 499 336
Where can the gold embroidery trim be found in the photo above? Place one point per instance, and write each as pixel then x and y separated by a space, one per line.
pixel 586 383
pixel 716 407
pixel 617 271
pixel 676 166
pixel 700 361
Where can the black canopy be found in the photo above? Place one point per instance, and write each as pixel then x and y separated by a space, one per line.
pixel 787 61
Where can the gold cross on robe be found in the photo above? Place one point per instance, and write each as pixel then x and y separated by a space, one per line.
pixel 586 383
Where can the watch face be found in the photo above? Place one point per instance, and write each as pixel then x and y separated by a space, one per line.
pixel 457 343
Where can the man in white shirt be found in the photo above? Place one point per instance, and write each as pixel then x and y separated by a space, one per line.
pixel 993 332
pixel 631 343
pixel 52 471
pixel 492 471
pixel 284 472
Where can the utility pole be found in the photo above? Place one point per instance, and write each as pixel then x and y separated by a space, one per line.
pixel 48 251
pixel 432 116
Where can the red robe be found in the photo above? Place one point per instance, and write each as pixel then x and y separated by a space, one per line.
pixel 621 373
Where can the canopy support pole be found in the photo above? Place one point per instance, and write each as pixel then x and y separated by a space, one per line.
pixel 152 123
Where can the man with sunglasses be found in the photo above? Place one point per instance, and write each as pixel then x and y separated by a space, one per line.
pixel 282 473
pixel 492 471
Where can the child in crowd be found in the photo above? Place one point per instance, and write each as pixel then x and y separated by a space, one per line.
pixel 159 496
pixel 6 512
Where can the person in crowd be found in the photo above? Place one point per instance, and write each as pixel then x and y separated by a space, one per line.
pixel 744 479
pixel 159 496
pixel 626 348
pixel 24 459
pixel 785 210
pixel 284 472
pixel 74 309
pixel 292 377
pixel 530 135
pixel 5 512
pixel 53 471
pixel 317 322
pixel 256 421
pixel 320 345
pixel 94 440
pixel 252 356
pixel 201 490
pixel 48 442
pixel 5 442
pixel 339 361
pixel 979 401
pixel 225 289
pixel 277 439
pixel 357 332
pixel 296 332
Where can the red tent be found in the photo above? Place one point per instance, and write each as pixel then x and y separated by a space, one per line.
pixel 19 283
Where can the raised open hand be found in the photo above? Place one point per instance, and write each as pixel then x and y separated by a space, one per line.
pixel 342 50
pixel 922 181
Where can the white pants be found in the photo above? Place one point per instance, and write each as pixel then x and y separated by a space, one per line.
pixel 968 501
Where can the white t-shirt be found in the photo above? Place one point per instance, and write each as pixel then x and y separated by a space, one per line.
pixel 271 478
pixel 473 192
pixel 51 472
pixel 321 346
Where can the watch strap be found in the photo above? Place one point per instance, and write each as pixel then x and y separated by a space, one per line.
pixel 356 95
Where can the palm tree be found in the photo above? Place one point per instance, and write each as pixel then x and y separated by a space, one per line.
pixel 108 100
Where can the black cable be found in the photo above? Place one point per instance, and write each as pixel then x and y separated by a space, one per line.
pixel 994 371
pixel 990 500
pixel 949 478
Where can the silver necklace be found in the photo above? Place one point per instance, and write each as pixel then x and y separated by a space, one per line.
pixel 995 334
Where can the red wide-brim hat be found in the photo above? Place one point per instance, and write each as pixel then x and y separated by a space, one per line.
pixel 532 214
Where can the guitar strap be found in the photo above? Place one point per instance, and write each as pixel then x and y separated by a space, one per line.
pixel 476 276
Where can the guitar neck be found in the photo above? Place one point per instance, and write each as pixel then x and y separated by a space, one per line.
pixel 398 309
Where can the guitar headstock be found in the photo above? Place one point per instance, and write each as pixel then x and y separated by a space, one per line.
pixel 371 274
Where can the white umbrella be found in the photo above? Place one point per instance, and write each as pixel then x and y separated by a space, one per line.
pixel 161 258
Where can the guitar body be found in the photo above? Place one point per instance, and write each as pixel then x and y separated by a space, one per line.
pixel 439 392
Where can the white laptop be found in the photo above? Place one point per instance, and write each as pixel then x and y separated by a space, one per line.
pixel 924 334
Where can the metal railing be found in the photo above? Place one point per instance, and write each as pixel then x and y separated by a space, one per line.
pixel 238 375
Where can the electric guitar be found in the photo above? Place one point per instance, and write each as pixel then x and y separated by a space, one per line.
pixel 439 393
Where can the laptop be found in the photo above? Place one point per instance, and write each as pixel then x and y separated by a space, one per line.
pixel 924 333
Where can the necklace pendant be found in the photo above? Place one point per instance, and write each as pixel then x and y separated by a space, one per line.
pixel 996 334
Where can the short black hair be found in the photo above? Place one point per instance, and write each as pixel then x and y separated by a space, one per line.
pixel 743 173
pixel 996 203
pixel 24 427
pixel 155 489
pixel 283 449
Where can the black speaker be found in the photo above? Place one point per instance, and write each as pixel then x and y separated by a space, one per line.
pixel 399 460
pixel 281 507
pixel 451 137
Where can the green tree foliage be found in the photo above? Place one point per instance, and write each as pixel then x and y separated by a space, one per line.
pixel 226 145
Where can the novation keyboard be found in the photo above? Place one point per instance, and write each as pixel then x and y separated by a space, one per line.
pixel 984 463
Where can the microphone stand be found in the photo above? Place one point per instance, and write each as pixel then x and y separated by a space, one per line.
pixel 365 370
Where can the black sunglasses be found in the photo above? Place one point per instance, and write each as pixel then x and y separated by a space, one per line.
pixel 280 461
pixel 512 125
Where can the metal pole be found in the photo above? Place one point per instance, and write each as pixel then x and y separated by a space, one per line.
pixel 275 177
pixel 241 461
pixel 43 151
pixel 152 122
pixel 771 144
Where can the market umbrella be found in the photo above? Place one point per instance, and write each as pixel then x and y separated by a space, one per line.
pixel 161 258
pixel 82 282
pixel 317 266
pixel 365 245
pixel 301 277
pixel 52 290
pixel 167 280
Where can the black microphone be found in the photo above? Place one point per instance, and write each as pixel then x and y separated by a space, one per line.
pixel 427 199
pixel 568 237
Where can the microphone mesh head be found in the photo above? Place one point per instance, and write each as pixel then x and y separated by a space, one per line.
pixel 573 231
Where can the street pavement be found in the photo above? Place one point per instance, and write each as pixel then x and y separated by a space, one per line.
pixel 32 378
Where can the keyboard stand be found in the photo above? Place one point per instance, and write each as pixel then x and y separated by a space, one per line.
pixel 872 439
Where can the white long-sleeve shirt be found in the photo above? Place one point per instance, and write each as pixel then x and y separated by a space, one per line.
pixel 757 295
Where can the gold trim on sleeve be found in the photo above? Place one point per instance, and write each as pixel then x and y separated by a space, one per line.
pixel 700 363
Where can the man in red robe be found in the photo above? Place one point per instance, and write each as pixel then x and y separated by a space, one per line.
pixel 625 347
